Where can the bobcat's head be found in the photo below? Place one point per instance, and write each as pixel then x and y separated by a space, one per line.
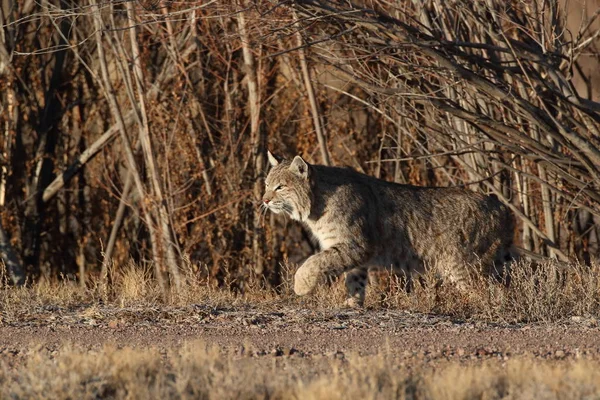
pixel 288 188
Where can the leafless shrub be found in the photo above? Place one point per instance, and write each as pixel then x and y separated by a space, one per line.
pixel 429 93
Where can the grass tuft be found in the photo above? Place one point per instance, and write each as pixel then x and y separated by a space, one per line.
pixel 200 371
pixel 537 293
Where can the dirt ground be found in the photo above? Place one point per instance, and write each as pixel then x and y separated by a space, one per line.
pixel 297 333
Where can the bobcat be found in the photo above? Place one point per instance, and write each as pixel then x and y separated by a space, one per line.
pixel 361 222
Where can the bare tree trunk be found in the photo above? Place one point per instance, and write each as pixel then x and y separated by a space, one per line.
pixel 161 207
pixel 398 175
pixel 8 255
pixel 112 239
pixel 522 188
pixel 258 137
pixel 547 207
pixel 42 175
pixel 4 56
pixel 115 110
pixel 546 200
pixel 314 107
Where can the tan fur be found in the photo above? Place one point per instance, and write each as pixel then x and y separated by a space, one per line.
pixel 363 222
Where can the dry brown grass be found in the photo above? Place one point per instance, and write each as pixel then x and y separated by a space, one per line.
pixel 201 371
pixel 537 292
pixel 546 292
pixel 198 370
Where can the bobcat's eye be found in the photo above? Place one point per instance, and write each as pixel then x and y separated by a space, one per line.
pixel 279 188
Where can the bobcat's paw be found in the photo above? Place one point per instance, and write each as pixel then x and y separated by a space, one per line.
pixel 353 302
pixel 305 280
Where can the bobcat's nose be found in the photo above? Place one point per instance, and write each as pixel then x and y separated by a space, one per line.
pixel 266 201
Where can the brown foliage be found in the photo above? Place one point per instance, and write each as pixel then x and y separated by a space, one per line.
pixel 439 94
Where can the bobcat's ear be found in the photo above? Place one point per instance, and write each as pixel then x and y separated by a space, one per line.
pixel 273 160
pixel 299 167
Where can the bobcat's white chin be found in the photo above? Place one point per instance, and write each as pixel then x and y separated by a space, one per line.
pixel 276 208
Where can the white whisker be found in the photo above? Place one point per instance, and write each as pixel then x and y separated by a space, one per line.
pixel 263 213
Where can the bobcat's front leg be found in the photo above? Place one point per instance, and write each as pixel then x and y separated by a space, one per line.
pixel 331 262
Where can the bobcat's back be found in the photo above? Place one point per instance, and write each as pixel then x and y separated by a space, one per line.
pixel 409 226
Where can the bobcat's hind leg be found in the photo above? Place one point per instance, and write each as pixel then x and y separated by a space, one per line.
pixel 504 262
pixel 356 282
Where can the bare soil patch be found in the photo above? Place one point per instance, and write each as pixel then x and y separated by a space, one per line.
pixel 410 337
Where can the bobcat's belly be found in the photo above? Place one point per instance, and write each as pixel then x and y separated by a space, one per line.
pixel 397 259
